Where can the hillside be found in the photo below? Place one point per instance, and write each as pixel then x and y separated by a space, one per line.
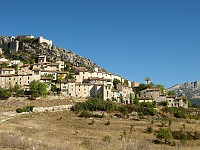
pixel 27 49
pixel 189 89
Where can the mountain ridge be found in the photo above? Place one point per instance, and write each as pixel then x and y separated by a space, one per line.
pixel 189 89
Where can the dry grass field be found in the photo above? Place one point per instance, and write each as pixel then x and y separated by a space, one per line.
pixel 65 131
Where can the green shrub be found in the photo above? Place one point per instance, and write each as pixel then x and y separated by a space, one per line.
pixel 19 110
pixel 177 112
pixel 147 108
pixel 25 109
pixel 163 103
pixel 4 94
pixel 165 133
pixel 149 129
pixel 95 104
pixel 186 135
pixel 87 114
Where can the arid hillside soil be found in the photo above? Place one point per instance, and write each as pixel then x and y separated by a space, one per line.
pixel 64 130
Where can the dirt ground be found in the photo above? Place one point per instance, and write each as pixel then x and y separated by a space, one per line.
pixel 65 131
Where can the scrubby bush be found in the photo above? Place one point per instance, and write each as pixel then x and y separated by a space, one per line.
pixel 186 135
pixel 149 129
pixel 95 104
pixel 4 94
pixel 177 112
pixel 148 109
pixel 164 133
pixel 87 114
pixel 25 109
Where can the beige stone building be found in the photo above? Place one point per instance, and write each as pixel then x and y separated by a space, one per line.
pixel 150 95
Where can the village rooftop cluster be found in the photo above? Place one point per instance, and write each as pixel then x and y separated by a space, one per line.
pixel 80 83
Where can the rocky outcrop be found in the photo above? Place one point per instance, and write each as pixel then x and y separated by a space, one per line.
pixel 189 89
pixel 31 48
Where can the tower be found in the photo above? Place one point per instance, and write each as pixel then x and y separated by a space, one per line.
pixel 148 81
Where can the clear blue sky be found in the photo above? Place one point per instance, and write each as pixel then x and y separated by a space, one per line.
pixel 133 38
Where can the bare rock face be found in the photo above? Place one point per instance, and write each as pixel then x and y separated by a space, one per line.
pixel 189 89
pixel 30 47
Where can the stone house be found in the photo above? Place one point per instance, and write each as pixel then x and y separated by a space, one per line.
pixel 152 93
pixel 175 101
pixel 5 71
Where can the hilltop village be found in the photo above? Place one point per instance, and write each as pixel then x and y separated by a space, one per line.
pixel 76 81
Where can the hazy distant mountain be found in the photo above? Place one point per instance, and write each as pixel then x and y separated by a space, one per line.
pixel 189 89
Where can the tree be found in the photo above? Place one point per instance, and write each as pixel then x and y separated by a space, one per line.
pixel 131 99
pixel 53 88
pixel 4 65
pixel 121 98
pixel 170 93
pixel 38 88
pixel 136 101
pixel 4 94
pixel 17 89
pixel 69 76
pixel 116 81
pixel 15 66
pixel 104 70
pixel 187 100
pixel 165 133
pixel 161 87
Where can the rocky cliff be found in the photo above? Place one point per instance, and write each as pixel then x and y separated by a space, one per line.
pixel 189 89
pixel 27 49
